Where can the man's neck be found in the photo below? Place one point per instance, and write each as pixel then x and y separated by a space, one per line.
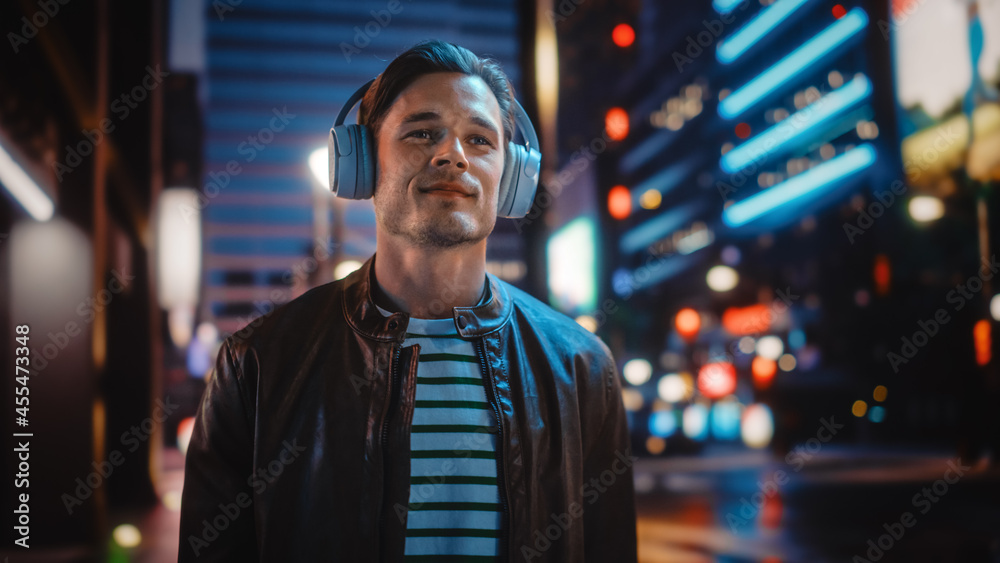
pixel 428 283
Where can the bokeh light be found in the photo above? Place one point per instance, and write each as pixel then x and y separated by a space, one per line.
pixel 859 408
pixel 717 379
pixel 688 323
pixel 637 371
pixel 722 278
pixel 126 535
pixel 695 421
pixel 616 123
pixel 619 202
pixel 757 426
pixel 623 35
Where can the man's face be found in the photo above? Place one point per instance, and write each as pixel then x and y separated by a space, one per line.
pixel 440 159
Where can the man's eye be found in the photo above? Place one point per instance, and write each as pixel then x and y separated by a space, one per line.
pixel 480 140
pixel 420 134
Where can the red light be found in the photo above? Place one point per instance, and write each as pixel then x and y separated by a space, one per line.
pixel 717 379
pixel 838 11
pixel 619 202
pixel 747 320
pixel 882 274
pixel 616 123
pixel 743 130
pixel 688 323
pixel 763 371
pixel 983 340
pixel 623 35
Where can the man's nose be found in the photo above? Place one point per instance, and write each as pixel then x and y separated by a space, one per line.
pixel 450 153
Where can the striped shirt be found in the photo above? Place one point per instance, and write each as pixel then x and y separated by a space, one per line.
pixel 454 504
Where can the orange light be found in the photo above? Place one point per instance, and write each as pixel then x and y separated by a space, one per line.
pixel 619 202
pixel 838 11
pixel 717 379
pixel 747 320
pixel 763 371
pixel 623 35
pixel 688 323
pixel 882 274
pixel 743 130
pixel 616 123
pixel 983 339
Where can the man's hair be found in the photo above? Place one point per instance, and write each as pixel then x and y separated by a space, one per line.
pixel 427 58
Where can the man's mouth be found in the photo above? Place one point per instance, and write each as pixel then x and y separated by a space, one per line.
pixel 447 190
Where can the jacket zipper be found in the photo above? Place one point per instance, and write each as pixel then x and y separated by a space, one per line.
pixel 501 481
pixel 391 391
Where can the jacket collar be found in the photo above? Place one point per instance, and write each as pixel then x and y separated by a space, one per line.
pixel 362 314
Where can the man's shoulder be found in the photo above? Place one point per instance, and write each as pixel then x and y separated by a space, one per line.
pixel 554 325
pixel 299 313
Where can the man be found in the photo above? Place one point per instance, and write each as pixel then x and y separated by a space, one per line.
pixel 419 409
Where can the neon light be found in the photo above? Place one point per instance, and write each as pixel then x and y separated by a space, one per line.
pixel 817 179
pixel 798 125
pixel 796 62
pixel 733 47
pixel 726 6
pixel 25 191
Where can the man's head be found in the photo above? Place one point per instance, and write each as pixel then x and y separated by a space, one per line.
pixel 441 119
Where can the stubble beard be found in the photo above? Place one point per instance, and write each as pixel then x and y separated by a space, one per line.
pixel 446 230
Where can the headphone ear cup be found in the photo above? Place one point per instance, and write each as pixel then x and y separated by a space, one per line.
pixel 351 169
pixel 511 162
pixel 366 164
pixel 522 181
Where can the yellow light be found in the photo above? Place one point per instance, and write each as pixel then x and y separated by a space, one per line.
pixel 637 371
pixel 722 278
pixel 925 208
pixel 859 408
pixel 344 268
pixel 588 322
pixel 172 500
pixel 632 399
pixel 673 388
pixel 319 164
pixel 787 362
pixel 881 392
pixel 650 199
pixel 655 445
pixel 127 535
pixel 757 426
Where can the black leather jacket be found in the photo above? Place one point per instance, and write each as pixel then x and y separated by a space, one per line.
pixel 300 450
